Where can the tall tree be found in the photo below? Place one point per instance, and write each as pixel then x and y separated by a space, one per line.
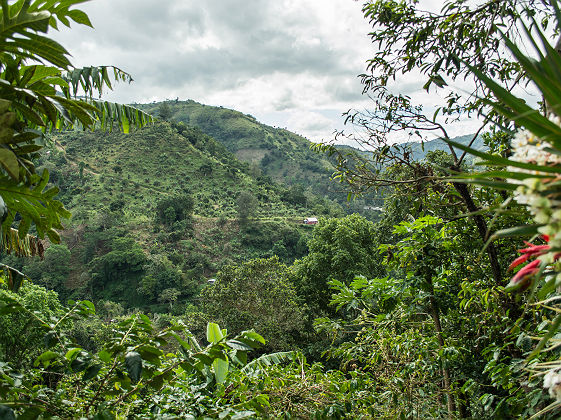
pixel 39 91
pixel 165 111
pixel 257 294
pixel 246 205
pixel 339 249
pixel 444 47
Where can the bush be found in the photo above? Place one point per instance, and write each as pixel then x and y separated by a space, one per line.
pixel 256 294
pixel 173 209
pixel 21 337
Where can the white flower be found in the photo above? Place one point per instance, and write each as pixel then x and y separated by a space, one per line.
pixel 552 382
pixel 529 148
pixel 539 194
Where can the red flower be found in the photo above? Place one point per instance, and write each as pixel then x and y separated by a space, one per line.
pixel 530 252
pixel 523 278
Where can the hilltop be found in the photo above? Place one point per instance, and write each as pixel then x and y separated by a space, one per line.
pixel 284 156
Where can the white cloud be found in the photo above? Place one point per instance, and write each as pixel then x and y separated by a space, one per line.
pixel 282 61
pixel 316 125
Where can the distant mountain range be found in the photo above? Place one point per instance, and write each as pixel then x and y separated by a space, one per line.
pixel 420 150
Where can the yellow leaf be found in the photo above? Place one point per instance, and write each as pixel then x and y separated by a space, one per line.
pixel 9 162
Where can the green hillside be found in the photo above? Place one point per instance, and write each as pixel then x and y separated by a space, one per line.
pixel 170 205
pixel 284 156
pixel 154 163
pixel 163 208
pixel 278 153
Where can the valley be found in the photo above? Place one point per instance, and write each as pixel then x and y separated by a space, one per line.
pixel 174 260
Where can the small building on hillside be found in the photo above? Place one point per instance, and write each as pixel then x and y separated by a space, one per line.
pixel 310 221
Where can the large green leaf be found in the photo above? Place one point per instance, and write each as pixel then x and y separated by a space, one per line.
pixel 9 162
pixel 251 338
pixel 213 333
pixel 491 159
pixel 133 364
pixel 270 359
pixel 33 203
pixel 525 230
pixel 45 358
pixel 220 369
pixel 545 73
pixel 499 185
pixel 18 35
pixel 91 372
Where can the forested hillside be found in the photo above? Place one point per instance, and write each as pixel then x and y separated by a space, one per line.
pixel 165 222
pixel 280 154
pixel 155 262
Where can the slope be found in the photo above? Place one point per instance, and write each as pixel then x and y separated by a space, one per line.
pixel 157 212
pixel 154 163
pixel 284 156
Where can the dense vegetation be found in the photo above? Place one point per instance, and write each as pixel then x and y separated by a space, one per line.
pixel 278 153
pixel 143 230
pixel 185 285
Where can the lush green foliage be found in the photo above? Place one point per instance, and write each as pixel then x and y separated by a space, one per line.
pixel 129 374
pixel 43 96
pixel 180 214
pixel 415 319
pixel 533 173
pixel 338 249
pixel 258 295
pixel 21 338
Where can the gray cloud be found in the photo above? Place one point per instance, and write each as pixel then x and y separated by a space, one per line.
pixel 260 57
pixel 247 39
pixel 284 102
pixel 348 90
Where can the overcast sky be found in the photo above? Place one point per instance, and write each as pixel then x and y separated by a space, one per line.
pixel 289 63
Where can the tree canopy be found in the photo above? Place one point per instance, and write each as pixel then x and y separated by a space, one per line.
pixel 443 46
pixel 339 249
pixel 39 92
pixel 259 295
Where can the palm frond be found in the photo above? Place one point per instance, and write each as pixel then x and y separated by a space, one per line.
pixel 270 360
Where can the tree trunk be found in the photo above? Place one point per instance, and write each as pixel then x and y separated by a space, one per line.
pixel 482 229
pixel 435 313
pixel 463 406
